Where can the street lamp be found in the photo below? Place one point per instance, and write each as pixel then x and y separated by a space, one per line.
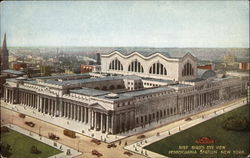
pixel 12 119
pixel 40 130
pixel 78 145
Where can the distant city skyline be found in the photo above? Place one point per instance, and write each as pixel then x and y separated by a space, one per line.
pixel 208 24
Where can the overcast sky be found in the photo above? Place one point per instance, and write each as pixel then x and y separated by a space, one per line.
pixel 126 23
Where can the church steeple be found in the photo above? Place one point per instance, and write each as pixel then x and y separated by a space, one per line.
pixel 4 43
pixel 4 54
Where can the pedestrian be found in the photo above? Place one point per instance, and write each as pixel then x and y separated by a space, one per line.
pixel 120 142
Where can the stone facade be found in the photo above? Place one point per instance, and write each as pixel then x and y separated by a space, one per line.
pixel 114 104
pixel 153 66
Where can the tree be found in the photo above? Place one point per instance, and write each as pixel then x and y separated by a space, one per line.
pixel 5 149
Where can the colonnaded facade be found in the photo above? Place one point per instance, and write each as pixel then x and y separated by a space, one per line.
pixel 130 91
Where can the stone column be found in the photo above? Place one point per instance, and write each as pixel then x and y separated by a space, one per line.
pixel 111 123
pixel 87 118
pixel 83 114
pixel 96 119
pixel 107 124
pixel 76 111
pixel 42 104
pixel 49 106
pixel 23 98
pixel 62 109
pixel 54 108
pixel 65 110
pixel 101 122
pixel 12 96
pixel 72 111
pixel 4 94
pixel 69 110
pixel 31 100
pixel 125 121
pixel 92 119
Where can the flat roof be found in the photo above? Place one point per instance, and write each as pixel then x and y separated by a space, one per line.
pixel 195 80
pixel 89 92
pixel 157 80
pixel 62 76
pixel 78 81
pixel 131 94
pixel 14 72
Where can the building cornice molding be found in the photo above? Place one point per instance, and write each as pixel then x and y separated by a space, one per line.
pixel 142 56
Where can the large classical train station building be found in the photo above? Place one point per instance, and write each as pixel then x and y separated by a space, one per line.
pixel 130 91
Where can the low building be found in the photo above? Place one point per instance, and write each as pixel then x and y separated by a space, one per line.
pixel 86 68
pixel 230 59
pixel 244 66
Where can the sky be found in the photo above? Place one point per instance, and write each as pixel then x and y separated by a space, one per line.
pixel 126 23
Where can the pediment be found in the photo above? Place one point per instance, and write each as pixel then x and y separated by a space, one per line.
pixel 98 106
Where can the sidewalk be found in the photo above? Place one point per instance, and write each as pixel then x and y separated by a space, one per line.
pixel 47 141
pixel 137 147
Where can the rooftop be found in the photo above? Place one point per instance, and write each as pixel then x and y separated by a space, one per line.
pixel 141 92
pixel 62 76
pixel 89 92
pixel 13 72
pixel 79 81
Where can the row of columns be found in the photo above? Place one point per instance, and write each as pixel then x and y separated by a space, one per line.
pixel 9 95
pixel 189 103
pixel 28 99
pixel 208 98
pixel 101 121
pixel 124 121
pixel 47 106
pixel 96 120
pixel 75 112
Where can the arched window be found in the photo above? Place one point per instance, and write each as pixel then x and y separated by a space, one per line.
pixel 158 68
pixel 135 66
pixel 115 65
pixel 187 70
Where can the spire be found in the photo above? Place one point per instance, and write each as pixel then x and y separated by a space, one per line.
pixel 4 43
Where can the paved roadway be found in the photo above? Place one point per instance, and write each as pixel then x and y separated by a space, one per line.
pixel 83 142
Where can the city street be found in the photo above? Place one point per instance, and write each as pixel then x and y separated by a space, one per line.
pixel 84 144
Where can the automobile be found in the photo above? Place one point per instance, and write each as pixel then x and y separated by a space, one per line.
pixel 53 136
pixel 96 141
pixel 188 119
pixel 21 115
pixel 31 124
pixel 127 153
pixel 111 145
pixel 141 137
pixel 95 152
pixel 69 133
